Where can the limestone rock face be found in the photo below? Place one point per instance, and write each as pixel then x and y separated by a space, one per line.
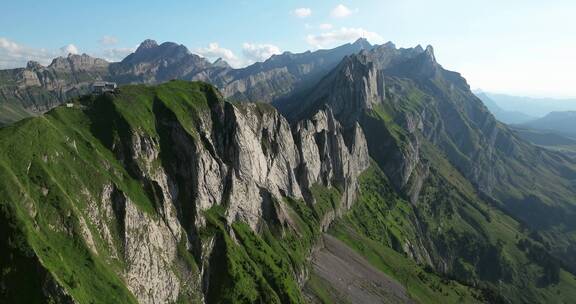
pixel 357 87
pixel 78 63
pixel 329 159
pixel 150 251
pixel 284 75
pixel 246 158
pixel 353 87
pixel 263 158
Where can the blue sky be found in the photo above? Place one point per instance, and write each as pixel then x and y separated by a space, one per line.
pixel 525 47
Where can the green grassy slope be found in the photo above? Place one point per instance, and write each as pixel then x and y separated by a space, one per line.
pixel 480 247
pixel 43 176
pixel 54 167
pixel 474 238
pixel 533 185
pixel 11 112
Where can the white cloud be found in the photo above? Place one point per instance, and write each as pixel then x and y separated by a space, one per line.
pixel 302 12
pixel 342 35
pixel 341 11
pixel 259 52
pixel 326 26
pixel 108 40
pixel 214 51
pixel 9 46
pixel 14 55
pixel 251 52
pixel 69 49
pixel 116 54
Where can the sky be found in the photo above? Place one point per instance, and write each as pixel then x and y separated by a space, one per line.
pixel 520 47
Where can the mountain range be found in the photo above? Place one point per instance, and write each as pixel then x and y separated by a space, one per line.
pixel 507 117
pixel 35 89
pixel 365 173
pixel 556 131
pixel 531 106
pixel 561 122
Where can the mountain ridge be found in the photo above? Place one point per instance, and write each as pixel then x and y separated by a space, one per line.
pixel 272 81
pixel 507 117
pixel 563 122
pixel 533 106
pixel 36 89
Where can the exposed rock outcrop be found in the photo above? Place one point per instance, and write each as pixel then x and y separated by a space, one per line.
pixel 245 158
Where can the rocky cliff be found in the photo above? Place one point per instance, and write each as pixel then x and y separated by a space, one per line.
pixel 138 216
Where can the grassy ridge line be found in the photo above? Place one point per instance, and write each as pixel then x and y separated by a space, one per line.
pixel 45 219
pixel 52 167
pixel 10 113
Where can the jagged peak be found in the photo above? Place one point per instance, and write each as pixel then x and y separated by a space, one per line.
pixel 147 44
pixel 221 63
pixel 362 57
pixel 389 45
pixel 34 65
pixel 74 56
pixel 58 60
pixel 363 43
pixel 430 52
pixel 285 54
pixel 423 63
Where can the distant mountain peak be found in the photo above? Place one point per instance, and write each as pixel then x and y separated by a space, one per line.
pixel 147 44
pixel 363 43
pixel 430 52
pixel 558 115
pixel 389 45
pixel 563 113
pixel 83 61
pixel 221 63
